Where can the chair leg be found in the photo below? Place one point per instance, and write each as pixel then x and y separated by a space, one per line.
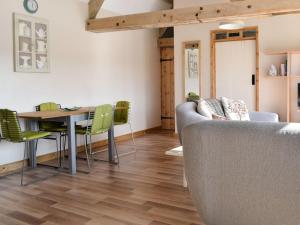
pixel 90 148
pixel 86 152
pixel 64 146
pixel 133 140
pixel 132 136
pixel 24 158
pixel 23 163
pixel 116 152
pixel 36 144
pixel 58 152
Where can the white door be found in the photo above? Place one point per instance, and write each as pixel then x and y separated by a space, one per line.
pixel 235 66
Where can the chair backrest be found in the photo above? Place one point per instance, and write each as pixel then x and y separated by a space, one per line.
pixel 101 119
pixel 10 126
pixel 3 124
pixel 121 113
pixel 48 106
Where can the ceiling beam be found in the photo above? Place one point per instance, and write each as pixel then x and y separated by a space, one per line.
pixel 94 8
pixel 195 15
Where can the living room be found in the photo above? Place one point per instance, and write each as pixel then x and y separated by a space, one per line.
pixel 159 112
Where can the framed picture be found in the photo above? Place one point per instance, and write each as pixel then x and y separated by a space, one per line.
pixel 192 68
pixel 193 59
pixel 31 44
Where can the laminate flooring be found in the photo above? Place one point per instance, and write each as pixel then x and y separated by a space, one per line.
pixel 145 189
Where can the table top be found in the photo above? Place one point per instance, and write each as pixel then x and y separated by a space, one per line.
pixel 54 114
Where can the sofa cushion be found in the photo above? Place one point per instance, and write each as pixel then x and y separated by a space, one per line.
pixel 208 107
pixel 235 109
pixel 215 106
pixel 203 109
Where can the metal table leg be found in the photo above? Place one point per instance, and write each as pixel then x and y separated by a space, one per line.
pixel 72 144
pixel 111 146
pixel 32 125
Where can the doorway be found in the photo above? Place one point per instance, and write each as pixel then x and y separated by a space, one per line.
pixel 235 62
pixel 167 83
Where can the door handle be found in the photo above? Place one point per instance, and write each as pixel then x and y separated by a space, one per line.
pixel 253 79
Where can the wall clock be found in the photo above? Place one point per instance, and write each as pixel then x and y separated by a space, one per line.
pixel 31 6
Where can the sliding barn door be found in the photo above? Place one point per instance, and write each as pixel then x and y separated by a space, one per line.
pixel 235 71
pixel 167 88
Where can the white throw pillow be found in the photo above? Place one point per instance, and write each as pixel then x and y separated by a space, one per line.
pixel 204 109
pixel 235 109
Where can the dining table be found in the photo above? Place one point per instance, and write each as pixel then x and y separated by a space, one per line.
pixel 70 117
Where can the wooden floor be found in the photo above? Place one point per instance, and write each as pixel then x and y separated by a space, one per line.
pixel 146 190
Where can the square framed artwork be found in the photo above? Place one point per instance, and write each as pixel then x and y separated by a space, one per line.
pixel 31 44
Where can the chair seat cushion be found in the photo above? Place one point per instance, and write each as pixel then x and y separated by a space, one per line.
pixel 55 129
pixel 33 135
pixel 83 131
pixel 120 123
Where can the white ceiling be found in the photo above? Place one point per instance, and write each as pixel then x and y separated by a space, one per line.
pixel 133 6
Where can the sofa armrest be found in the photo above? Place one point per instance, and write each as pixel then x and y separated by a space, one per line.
pixel 263 117
pixel 186 114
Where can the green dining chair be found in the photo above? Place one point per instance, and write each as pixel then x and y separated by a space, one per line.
pixel 98 122
pixel 54 127
pixel 11 131
pixel 3 129
pixel 122 117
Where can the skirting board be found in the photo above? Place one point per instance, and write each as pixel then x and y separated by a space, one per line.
pixel 13 167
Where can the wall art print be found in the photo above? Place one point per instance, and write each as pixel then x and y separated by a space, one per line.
pixel 31 44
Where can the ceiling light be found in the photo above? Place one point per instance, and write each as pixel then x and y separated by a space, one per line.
pixel 232 25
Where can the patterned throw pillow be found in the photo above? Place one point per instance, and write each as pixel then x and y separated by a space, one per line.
pixel 210 107
pixel 215 106
pixel 235 109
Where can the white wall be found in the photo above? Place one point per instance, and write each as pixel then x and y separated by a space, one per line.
pixel 275 33
pixel 86 69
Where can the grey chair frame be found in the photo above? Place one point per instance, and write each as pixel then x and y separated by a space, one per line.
pixel 131 131
pixel 26 150
pixel 62 145
pixel 88 142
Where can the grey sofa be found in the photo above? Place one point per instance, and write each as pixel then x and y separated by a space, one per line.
pixel 242 173
pixel 187 114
